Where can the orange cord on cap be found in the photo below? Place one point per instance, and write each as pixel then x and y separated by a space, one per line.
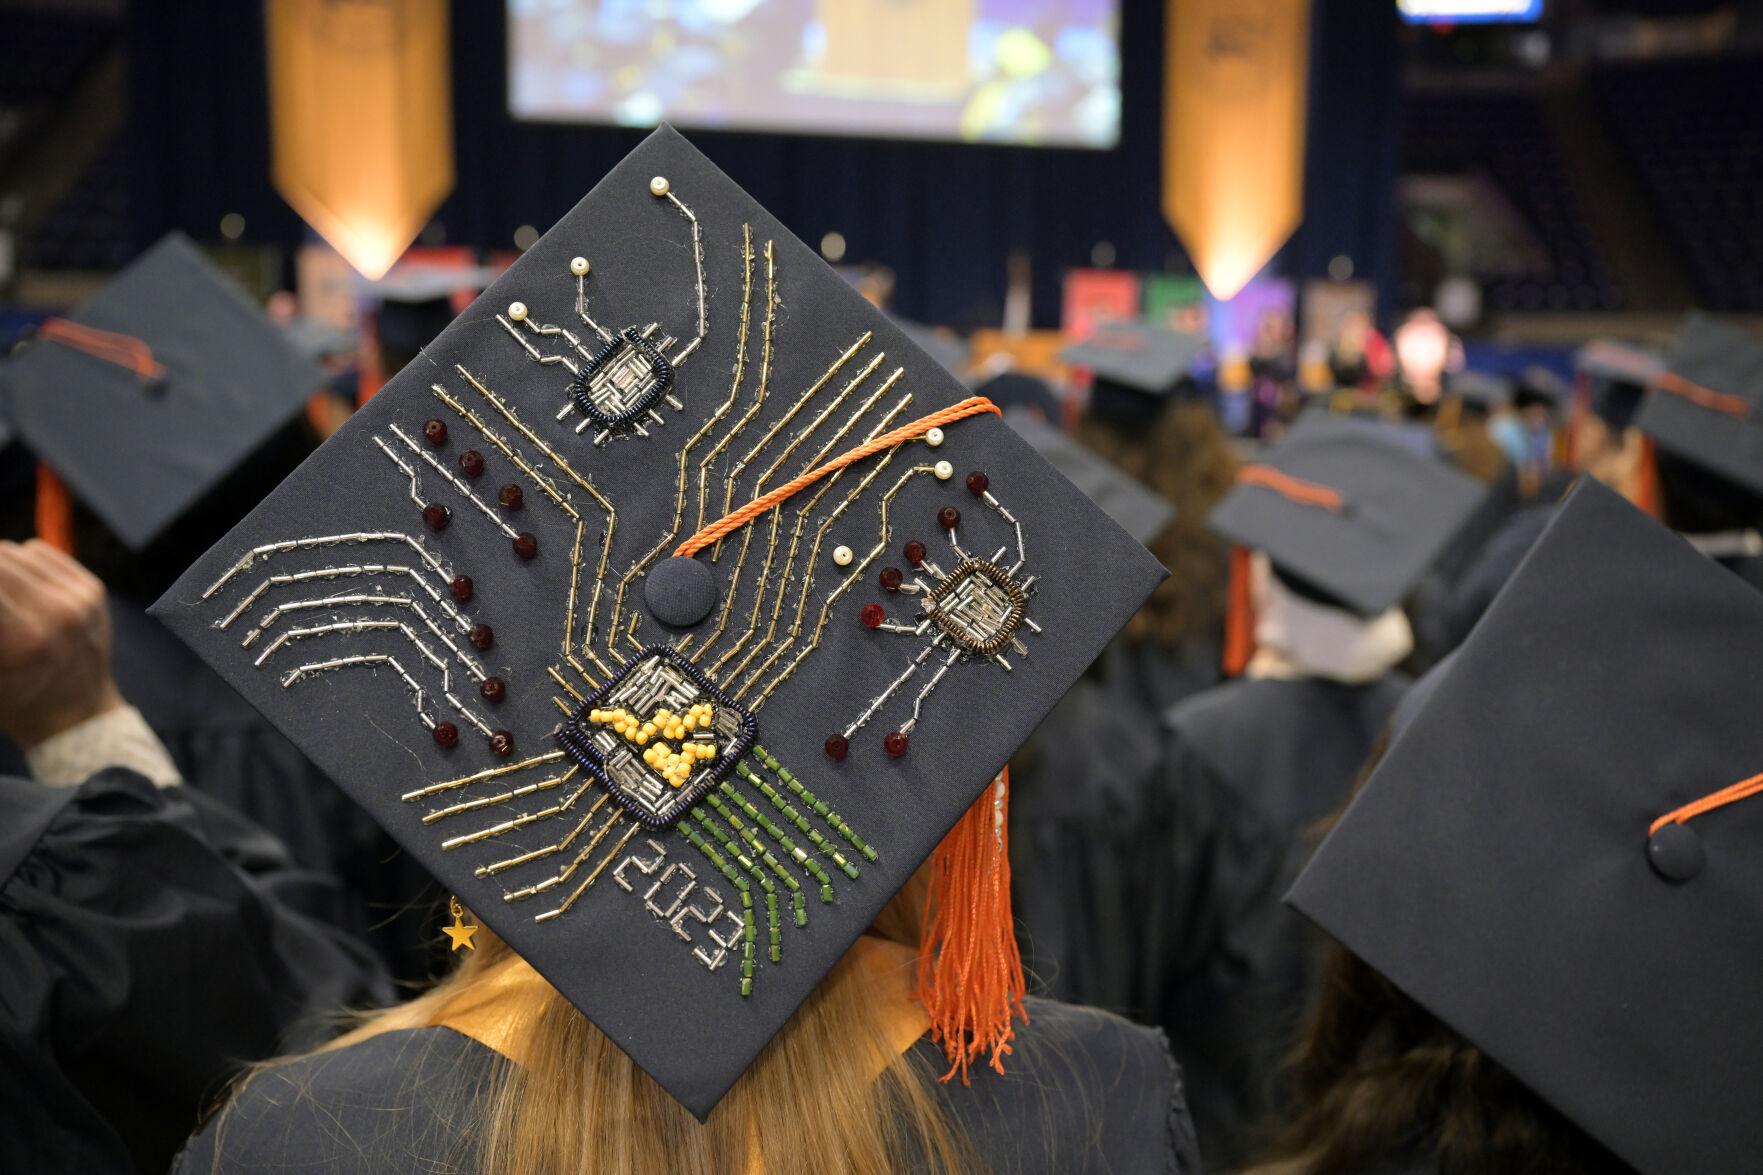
pixel 1239 615
pixel 1719 799
pixel 1304 493
pixel 1647 494
pixel 122 350
pixel 1705 397
pixel 972 406
pixel 970 976
pixel 54 510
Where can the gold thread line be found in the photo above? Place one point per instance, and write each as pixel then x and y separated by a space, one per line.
pixel 496 867
pixel 568 870
pixel 490 773
pixel 559 679
pixel 505 797
pixel 521 821
pixel 764 370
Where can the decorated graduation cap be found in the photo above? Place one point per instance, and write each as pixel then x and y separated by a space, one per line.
pixel 1481 390
pixel 155 389
pixel 1709 406
pixel 1135 367
pixel 1618 377
pixel 1138 510
pixel 672 611
pixel 1557 856
pixel 1345 514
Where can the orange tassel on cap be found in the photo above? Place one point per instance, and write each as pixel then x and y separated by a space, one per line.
pixel 1646 481
pixel 1239 616
pixel 969 969
pixel 54 510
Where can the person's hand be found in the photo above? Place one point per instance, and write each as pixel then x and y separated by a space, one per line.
pixel 54 644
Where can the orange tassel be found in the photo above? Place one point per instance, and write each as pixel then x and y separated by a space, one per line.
pixel 1239 616
pixel 969 969
pixel 1646 481
pixel 54 510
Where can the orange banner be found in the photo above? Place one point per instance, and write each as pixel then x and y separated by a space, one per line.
pixel 361 117
pixel 1233 132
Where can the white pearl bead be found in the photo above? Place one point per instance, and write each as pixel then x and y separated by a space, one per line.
pixel 578 266
pixel 658 185
pixel 517 311
pixel 842 556
pixel 944 471
pixel 934 437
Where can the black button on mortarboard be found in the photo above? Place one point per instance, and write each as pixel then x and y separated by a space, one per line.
pixel 680 591
pixel 1676 852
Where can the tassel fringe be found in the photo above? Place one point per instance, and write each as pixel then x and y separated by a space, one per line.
pixel 969 969
pixel 1239 616
pixel 54 516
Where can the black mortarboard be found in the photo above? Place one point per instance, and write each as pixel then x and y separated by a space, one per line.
pixel 841 675
pixel 1016 389
pixel 1479 389
pixel 155 389
pixel 1348 514
pixel 1505 864
pixel 1709 406
pixel 1134 368
pixel 1139 511
pixel 1540 386
pixel 1619 376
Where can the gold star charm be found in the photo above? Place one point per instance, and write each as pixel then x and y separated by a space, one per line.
pixel 459 932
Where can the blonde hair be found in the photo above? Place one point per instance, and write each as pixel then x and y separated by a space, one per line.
pixel 576 1104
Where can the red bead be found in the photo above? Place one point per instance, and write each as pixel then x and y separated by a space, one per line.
pixel 890 578
pixel 511 496
pixel 494 689
pixel 872 615
pixel 915 553
pixel 895 744
pixel 481 637
pixel 461 587
pixel 446 735
pixel 471 462
pixel 978 483
pixel 837 746
pixel 525 545
pixel 436 515
pixel 948 518
pixel 502 744
pixel 435 432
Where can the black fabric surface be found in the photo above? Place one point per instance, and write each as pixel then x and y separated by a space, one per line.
pixel 1729 362
pixel 687 1025
pixel 1495 867
pixel 152 942
pixel 1085 1093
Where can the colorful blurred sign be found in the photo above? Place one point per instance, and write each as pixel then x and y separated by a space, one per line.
pixel 1175 301
pixel 1470 11
pixel 1095 296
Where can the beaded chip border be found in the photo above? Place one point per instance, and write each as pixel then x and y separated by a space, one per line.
pixel 661 370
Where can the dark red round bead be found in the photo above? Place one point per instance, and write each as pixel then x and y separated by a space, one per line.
pixel 890 578
pixel 481 637
pixel 446 735
pixel 978 483
pixel 948 518
pixel 525 545
pixel 494 689
pixel 436 515
pixel 895 744
pixel 435 432
pixel 837 746
pixel 502 744
pixel 511 496
pixel 914 553
pixel 471 463
pixel 461 587
pixel 872 615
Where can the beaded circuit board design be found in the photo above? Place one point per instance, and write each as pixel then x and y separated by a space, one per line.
pixel 449 609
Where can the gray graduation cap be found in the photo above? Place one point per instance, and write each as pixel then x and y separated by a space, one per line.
pixel 155 389
pixel 1135 367
pixel 1352 516
pixel 1138 510
pixel 1619 377
pixel 670 613
pixel 1556 856
pixel 1481 389
pixel 1708 409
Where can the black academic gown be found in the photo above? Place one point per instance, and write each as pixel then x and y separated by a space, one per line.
pixel 151 941
pixel 1083 1092
pixel 1248 769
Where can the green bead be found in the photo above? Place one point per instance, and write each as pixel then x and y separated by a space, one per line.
pixel 750 932
pixel 777 936
pixel 801 917
pixel 826 892
pixel 868 852
pixel 746 986
pixel 747 899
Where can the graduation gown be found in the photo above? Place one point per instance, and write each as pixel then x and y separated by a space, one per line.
pixel 1249 767
pixel 152 941
pixel 1083 1092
